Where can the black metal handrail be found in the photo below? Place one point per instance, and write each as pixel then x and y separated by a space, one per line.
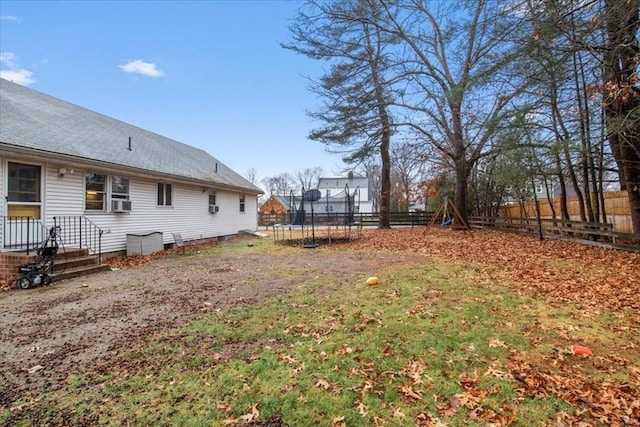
pixel 80 231
pixel 22 233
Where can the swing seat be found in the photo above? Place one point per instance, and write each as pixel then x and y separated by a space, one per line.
pixel 447 222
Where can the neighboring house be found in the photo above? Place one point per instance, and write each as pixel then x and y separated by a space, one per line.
pixel 340 199
pixel 275 205
pixel 334 189
pixel 64 161
pixel 418 206
pixel 275 210
pixel 542 188
pixel 553 186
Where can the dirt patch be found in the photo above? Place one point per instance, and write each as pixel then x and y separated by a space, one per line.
pixel 49 333
pixel 74 326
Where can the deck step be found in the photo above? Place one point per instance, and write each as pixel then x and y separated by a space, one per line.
pixel 70 253
pixel 84 270
pixel 73 262
pixel 63 263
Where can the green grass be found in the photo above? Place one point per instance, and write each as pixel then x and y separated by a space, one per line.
pixel 244 247
pixel 427 342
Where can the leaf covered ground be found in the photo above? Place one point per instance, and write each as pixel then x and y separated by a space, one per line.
pixel 562 272
pixel 463 329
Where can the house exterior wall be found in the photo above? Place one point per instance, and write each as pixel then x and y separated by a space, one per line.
pixel 189 214
pixel 272 205
pixel 2 189
pixel 335 187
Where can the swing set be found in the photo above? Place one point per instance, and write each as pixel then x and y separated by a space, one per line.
pixel 443 213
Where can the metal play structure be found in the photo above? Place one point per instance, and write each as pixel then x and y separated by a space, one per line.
pixel 314 219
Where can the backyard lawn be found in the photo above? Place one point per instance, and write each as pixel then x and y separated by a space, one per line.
pixel 478 329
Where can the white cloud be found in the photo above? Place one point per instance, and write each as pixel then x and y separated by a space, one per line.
pixel 140 67
pixel 10 18
pixel 7 58
pixel 13 73
pixel 21 76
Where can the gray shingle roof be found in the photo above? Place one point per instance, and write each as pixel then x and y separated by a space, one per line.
pixel 31 119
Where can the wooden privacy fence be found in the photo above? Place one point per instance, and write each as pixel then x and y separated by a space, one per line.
pixel 616 206
pixel 591 233
pixel 268 219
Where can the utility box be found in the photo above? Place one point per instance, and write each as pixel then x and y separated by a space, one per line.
pixel 144 243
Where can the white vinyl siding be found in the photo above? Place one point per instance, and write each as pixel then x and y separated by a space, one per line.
pixel 2 193
pixel 64 196
pixel 189 214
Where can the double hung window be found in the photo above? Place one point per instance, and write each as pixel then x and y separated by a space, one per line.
pixel 95 186
pixel 164 194
pixel 242 203
pixel 99 188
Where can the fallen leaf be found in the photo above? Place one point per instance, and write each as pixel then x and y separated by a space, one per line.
pixel 34 369
pixel 338 422
pixel 497 343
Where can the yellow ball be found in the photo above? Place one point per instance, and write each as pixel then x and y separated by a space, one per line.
pixel 372 281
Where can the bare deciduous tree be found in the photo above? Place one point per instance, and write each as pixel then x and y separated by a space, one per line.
pixel 457 62
pixel 279 185
pixel 252 175
pixel 308 178
pixel 407 167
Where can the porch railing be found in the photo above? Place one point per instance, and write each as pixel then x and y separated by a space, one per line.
pixel 22 233
pixel 28 233
pixel 80 231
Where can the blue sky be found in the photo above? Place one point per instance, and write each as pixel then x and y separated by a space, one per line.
pixel 207 73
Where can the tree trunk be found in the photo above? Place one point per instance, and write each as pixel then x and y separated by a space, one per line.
pixel 580 82
pixel 385 184
pixel 629 151
pixel 622 102
pixel 460 161
pixel 564 209
pixel 550 197
pixel 462 180
pixel 574 179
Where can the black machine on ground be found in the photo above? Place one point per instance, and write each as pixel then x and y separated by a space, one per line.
pixel 38 272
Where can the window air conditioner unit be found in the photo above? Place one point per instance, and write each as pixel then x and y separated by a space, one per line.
pixel 214 209
pixel 119 205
